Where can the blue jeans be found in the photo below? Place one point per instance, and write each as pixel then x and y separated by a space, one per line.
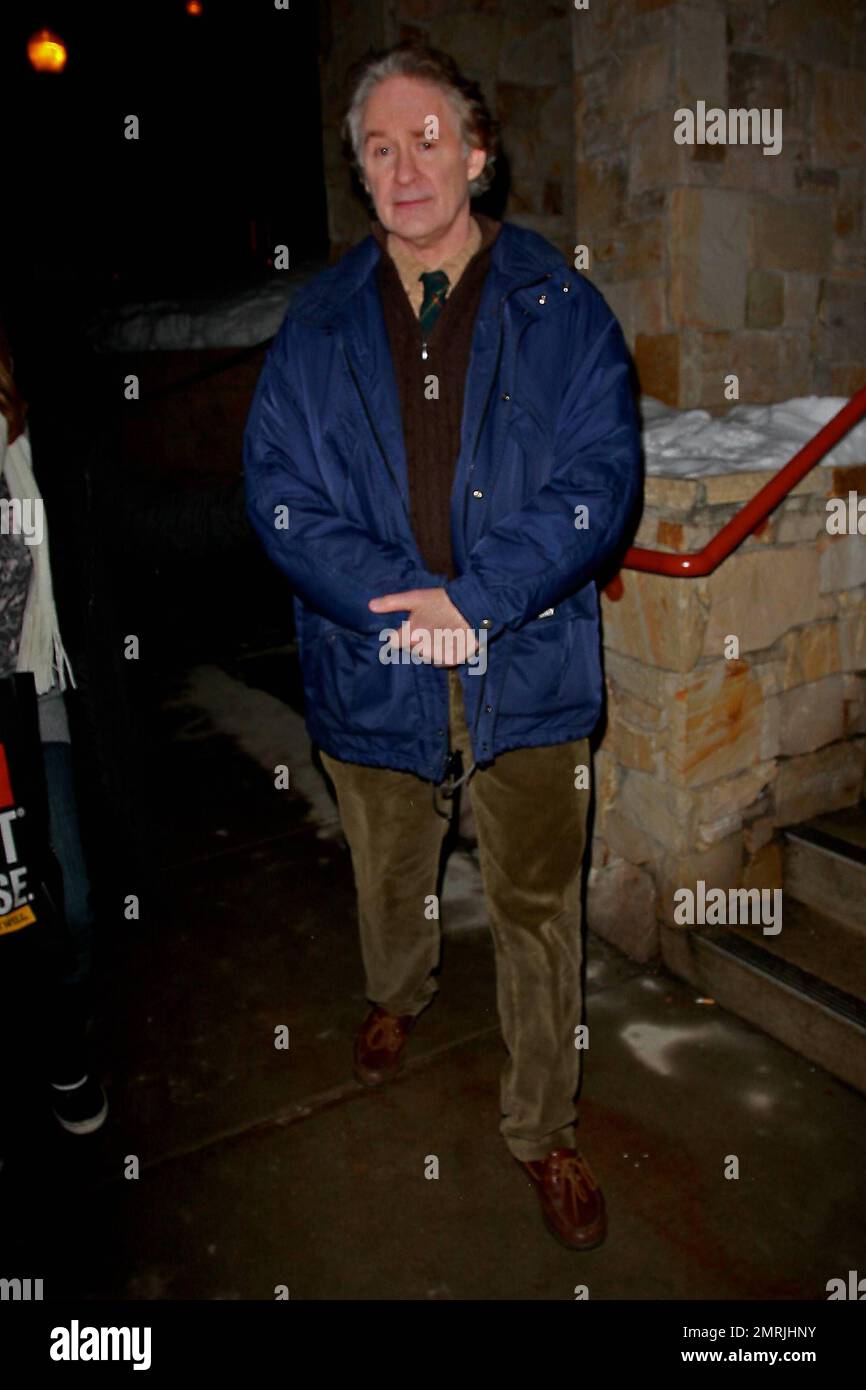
pixel 66 843
pixel 69 1009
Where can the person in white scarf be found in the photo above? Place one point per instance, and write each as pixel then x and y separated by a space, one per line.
pixel 78 1098
pixel 40 649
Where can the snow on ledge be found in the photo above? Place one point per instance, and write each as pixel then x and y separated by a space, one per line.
pixel 239 317
pixel 693 443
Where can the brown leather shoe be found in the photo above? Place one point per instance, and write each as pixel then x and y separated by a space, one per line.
pixel 379 1044
pixel 572 1203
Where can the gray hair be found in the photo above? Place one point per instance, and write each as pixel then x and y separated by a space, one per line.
pixel 477 127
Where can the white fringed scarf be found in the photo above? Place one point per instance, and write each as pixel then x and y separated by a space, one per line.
pixel 41 649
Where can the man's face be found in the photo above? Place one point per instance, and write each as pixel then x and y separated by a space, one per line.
pixel 418 185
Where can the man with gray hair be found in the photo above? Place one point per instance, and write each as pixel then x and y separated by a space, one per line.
pixel 444 434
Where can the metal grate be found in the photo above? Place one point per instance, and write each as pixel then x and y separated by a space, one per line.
pixel 783 972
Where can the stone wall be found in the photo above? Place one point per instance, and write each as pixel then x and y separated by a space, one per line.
pixel 718 258
pixel 520 52
pixel 706 755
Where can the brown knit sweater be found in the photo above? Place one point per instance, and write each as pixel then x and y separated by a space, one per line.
pixel 431 427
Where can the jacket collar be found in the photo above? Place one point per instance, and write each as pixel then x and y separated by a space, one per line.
pixel 520 260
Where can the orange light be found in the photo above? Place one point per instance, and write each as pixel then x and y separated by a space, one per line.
pixel 193 7
pixel 46 51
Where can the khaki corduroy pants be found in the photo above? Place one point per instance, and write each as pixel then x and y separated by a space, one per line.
pixel 531 825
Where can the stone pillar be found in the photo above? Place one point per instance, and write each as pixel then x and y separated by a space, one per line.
pixel 736 703
pixel 717 258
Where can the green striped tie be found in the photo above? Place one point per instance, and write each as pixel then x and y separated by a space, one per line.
pixel 435 284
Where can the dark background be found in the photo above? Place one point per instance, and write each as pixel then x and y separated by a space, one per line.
pixel 228 164
pixel 230 140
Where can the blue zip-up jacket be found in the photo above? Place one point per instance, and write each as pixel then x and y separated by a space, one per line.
pixel 549 429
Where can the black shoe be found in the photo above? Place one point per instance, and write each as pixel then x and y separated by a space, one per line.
pixel 80 1108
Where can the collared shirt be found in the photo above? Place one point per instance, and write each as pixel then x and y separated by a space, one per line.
pixel 409 269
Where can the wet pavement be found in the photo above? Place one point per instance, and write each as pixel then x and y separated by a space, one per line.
pixel 260 1166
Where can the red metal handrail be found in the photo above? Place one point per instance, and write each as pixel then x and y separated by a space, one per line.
pixel 751 517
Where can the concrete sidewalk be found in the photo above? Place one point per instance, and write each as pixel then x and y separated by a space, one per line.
pixel 261 1167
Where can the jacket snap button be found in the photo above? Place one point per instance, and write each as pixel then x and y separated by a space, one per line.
pixel 566 288
pixel 505 396
pixel 488 709
pixel 542 299
pixel 476 492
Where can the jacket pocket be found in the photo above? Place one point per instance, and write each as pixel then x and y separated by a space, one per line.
pixel 538 662
pixel 357 693
pixel 328 672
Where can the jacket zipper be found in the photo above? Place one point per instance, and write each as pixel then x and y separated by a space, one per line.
pixel 371 422
pixel 542 280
